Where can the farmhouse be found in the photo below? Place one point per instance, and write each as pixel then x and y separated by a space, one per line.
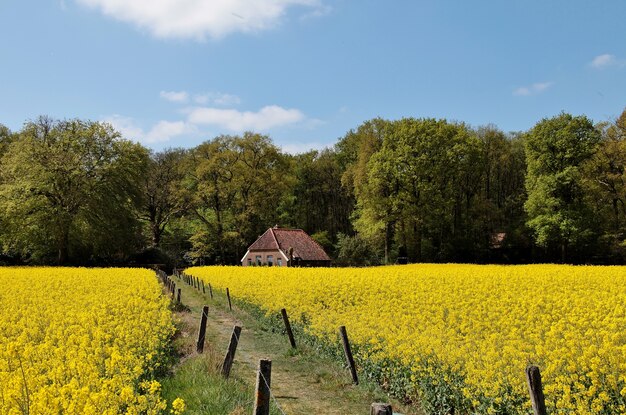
pixel 285 247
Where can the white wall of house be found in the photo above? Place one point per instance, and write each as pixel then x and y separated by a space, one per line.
pixel 276 258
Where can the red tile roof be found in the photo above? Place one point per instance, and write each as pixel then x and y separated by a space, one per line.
pixel 304 247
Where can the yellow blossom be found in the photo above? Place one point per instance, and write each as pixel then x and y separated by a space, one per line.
pixel 464 330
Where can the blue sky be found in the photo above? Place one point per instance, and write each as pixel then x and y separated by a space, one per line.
pixel 172 73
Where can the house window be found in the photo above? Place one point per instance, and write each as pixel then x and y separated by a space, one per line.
pixel 258 259
pixel 249 261
pixel 279 262
pixel 270 260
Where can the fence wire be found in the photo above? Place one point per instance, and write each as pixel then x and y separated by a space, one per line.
pixel 280 409
pixel 182 275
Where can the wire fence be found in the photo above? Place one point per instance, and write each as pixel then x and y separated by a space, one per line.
pixel 266 382
pixel 263 381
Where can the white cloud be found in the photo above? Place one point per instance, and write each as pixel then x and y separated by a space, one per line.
pixel 165 130
pixel 125 126
pixel 320 11
pixel 173 96
pixel 198 19
pixel 226 100
pixel 605 61
pixel 162 131
pixel 217 98
pixel 299 148
pixel 533 89
pixel 201 99
pixel 214 98
pixel 602 61
pixel 266 118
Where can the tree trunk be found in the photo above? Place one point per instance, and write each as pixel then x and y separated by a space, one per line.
pixel 388 238
pixel 64 239
pixel 616 214
pixel 386 244
pixel 417 232
pixel 220 233
pixel 156 235
pixel 220 227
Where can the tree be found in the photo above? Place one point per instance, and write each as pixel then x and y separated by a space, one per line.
pixel 491 195
pixel 354 251
pixel 261 183
pixel 211 193
pixel 318 202
pixel 415 182
pixel 556 148
pixel 5 138
pixel 427 160
pixel 605 180
pixel 70 184
pixel 354 152
pixel 162 200
pixel 235 185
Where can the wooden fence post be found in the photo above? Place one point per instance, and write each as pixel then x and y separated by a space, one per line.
pixel 178 297
pixel 210 291
pixel 263 392
pixel 230 353
pixel 533 376
pixel 202 331
pixel 203 290
pixel 348 352
pixel 288 328
pixel 230 306
pixel 381 409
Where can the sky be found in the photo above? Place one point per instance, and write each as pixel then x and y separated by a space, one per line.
pixel 175 73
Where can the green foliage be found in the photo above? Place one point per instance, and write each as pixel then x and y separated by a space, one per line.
pixel 556 150
pixel 604 179
pixel 235 186
pixel 354 153
pixel 163 200
pixel 354 251
pixel 317 201
pixel 323 239
pixel 413 186
pixel 6 137
pixel 426 189
pixel 70 187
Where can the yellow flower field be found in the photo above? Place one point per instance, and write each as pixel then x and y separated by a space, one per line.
pixel 81 341
pixel 460 336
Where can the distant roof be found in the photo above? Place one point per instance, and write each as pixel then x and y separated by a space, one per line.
pixel 304 247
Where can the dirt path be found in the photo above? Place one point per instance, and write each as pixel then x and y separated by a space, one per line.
pixel 297 386
pixel 302 381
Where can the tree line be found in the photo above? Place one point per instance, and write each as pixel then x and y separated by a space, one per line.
pixel 415 189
